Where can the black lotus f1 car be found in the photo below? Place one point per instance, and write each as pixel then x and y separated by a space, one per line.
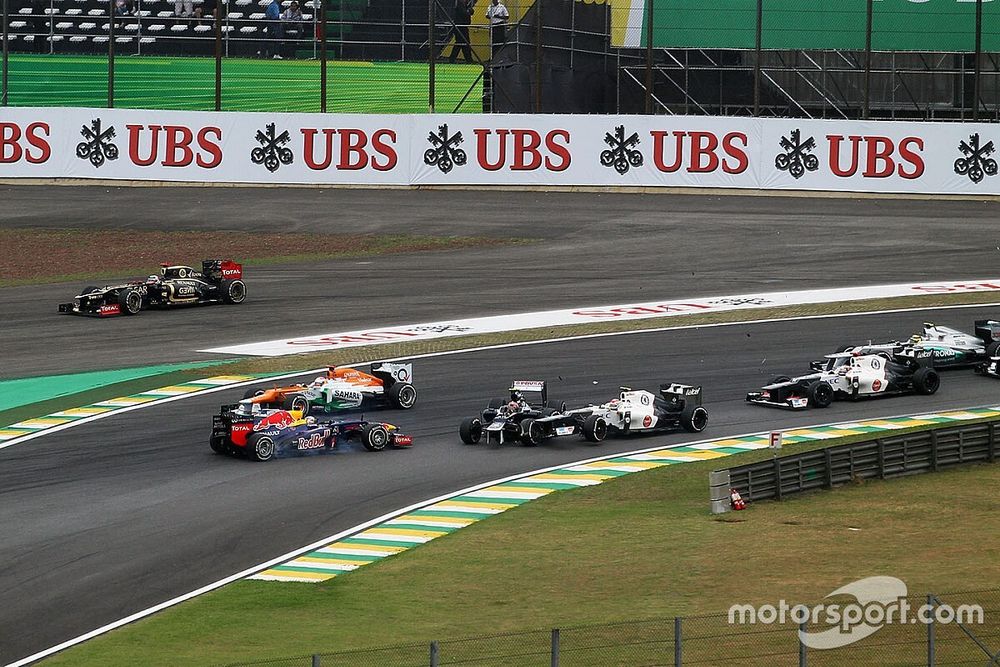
pixel 219 281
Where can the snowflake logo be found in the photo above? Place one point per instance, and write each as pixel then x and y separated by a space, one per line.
pixel 744 301
pixel 623 153
pixel 440 328
pixel 444 153
pixel 272 152
pixel 97 145
pixel 976 164
pixel 797 158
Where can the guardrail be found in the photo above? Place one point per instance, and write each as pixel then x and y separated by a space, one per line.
pixel 881 458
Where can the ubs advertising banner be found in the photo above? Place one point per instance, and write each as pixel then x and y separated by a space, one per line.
pixel 523 150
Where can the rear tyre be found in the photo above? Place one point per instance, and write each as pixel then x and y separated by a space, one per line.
pixel 559 406
pixel 471 430
pixel 375 437
pixel 694 418
pixel 531 433
pixel 926 381
pixel 260 449
pixel 993 349
pixel 820 394
pixel 595 428
pixel 218 446
pixel 234 291
pixel 402 395
pixel 297 402
pixel 131 301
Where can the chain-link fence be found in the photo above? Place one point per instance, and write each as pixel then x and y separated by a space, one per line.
pixel 853 59
pixel 953 636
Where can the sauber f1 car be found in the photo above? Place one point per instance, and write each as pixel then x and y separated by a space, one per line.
pixel 261 434
pixel 219 281
pixel 951 348
pixel 634 411
pixel 343 388
pixel 513 418
pixel 853 375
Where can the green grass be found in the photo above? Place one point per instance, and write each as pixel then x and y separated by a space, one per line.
pixel 188 83
pixel 641 546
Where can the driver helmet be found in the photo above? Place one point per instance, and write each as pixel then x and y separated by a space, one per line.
pixel 311 421
pixel 513 406
pixel 915 338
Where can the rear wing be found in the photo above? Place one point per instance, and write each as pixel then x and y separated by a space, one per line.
pixel 686 391
pixel 221 269
pixel 988 330
pixel 533 386
pixel 393 373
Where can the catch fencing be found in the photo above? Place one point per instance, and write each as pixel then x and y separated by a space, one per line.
pixel 774 58
pixel 695 640
pixel 881 458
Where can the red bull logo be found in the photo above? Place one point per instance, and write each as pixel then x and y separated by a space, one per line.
pixel 315 441
pixel 280 419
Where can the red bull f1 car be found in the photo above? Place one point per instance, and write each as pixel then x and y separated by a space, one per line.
pixel 851 376
pixel 260 434
pixel 219 281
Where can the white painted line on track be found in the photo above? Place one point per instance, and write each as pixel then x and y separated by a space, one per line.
pixel 318 544
pixel 589 315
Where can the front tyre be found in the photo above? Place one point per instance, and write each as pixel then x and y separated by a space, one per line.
pixel 820 394
pixel 471 430
pixel 297 402
pixel 926 381
pixel 531 433
pixel 234 291
pixel 375 437
pixel 131 301
pixel 694 418
pixel 402 395
pixel 260 449
pixel 595 428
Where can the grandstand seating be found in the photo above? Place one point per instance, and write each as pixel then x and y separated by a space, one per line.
pixel 82 26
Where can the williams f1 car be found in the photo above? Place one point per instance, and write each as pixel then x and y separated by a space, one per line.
pixel 219 281
pixel 634 411
pixel 951 348
pixel 261 434
pixel 513 418
pixel 344 388
pixel 853 375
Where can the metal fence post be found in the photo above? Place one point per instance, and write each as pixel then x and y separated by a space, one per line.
pixel 866 108
pixel 678 653
pixel 802 647
pixel 431 48
pixel 3 66
pixel 219 5
pixel 323 56
pixel 930 634
pixel 434 654
pixel 111 54
pixel 757 57
pixel 978 67
pixel 554 656
pixel 649 56
pixel 538 56
pixel 315 662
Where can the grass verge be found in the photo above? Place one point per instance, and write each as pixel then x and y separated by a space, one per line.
pixel 360 355
pixel 640 546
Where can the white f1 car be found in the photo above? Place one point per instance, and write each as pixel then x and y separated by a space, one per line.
pixel 853 375
pixel 677 406
pixel 951 348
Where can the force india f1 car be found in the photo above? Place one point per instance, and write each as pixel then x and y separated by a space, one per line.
pixel 853 375
pixel 344 388
pixel 512 418
pixel 260 434
pixel 219 281
pixel 951 348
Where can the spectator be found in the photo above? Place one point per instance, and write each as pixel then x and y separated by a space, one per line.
pixel 207 10
pixel 184 8
pixel 497 15
pixel 124 8
pixel 292 27
pixel 462 19
pixel 272 28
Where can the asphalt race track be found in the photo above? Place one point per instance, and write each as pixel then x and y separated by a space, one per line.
pixel 111 517
pixel 594 249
